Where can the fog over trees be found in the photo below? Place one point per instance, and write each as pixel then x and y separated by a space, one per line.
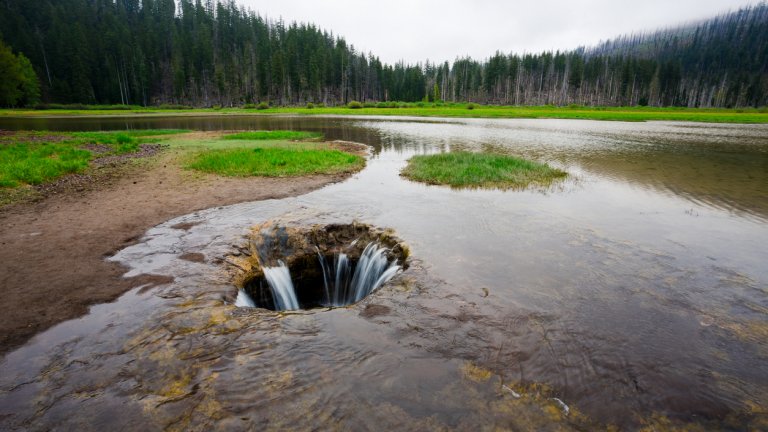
pixel 205 52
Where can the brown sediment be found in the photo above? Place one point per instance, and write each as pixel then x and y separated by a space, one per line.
pixel 52 251
pixel 193 257
pixel 374 310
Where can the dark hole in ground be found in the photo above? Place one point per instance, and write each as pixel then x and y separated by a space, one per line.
pixel 317 267
pixel 308 283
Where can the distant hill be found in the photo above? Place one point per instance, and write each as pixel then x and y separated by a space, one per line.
pixel 206 53
pixel 722 61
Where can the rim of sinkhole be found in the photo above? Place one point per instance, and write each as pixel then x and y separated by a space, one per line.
pixel 284 268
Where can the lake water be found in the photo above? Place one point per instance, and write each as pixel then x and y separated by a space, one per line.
pixel 635 293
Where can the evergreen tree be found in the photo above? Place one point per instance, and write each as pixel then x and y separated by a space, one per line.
pixel 18 81
pixel 213 52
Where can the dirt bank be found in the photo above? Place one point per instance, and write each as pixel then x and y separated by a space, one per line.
pixel 52 251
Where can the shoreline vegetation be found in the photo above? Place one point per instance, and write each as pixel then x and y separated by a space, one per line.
pixel 204 53
pixel 35 158
pixel 35 164
pixel 421 109
pixel 467 170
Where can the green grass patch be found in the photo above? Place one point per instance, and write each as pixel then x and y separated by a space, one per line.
pixel 34 158
pixel 122 141
pixel 479 170
pixel 274 135
pixel 98 135
pixel 275 161
pixel 458 110
pixel 25 163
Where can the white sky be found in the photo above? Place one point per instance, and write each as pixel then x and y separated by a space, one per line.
pixel 439 30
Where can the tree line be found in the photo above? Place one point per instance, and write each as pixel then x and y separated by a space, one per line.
pixel 206 52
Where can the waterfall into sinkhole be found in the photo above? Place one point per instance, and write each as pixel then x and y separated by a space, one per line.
pixel 335 271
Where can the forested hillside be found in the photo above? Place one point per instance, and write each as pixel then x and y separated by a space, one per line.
pixel 204 53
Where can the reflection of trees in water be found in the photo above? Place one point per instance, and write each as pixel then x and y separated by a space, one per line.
pixel 721 178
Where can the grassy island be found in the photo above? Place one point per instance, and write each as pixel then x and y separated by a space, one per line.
pixel 479 170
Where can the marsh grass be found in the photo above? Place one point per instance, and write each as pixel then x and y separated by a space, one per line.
pixel 636 113
pixel 275 161
pixel 38 157
pixel 24 163
pixel 479 170
pixel 273 135
pixel 122 141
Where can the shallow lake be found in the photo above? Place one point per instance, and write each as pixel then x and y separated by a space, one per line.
pixel 633 293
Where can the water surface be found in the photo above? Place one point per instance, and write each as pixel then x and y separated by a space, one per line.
pixel 634 293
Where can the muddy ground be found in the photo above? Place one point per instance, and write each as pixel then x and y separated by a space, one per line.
pixel 53 250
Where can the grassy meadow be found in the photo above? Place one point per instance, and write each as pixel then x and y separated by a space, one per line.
pixel 29 159
pixel 273 135
pixel 275 161
pixel 448 110
pixel 33 158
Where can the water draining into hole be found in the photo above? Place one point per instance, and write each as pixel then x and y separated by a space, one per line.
pixel 283 293
pixel 289 268
pixel 345 282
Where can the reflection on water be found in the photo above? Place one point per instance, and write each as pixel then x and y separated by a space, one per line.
pixel 635 294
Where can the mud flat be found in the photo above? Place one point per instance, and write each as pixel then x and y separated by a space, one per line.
pixel 52 251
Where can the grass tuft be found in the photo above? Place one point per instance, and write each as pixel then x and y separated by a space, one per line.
pixel 23 163
pixel 275 162
pixel 121 141
pixel 479 170
pixel 276 135
pixel 34 158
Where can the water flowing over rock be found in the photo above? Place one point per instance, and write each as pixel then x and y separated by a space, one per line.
pixel 279 280
pixel 318 267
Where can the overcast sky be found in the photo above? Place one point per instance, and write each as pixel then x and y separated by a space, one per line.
pixel 439 30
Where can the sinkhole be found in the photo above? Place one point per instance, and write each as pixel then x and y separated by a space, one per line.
pixel 292 268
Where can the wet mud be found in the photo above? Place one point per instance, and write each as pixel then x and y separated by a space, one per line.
pixel 616 301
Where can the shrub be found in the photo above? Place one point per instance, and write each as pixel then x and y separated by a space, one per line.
pixel 262 106
pixel 471 106
pixel 123 139
pixel 249 106
pixel 57 106
pixel 420 104
pixel 310 105
pixel 369 105
pixel 354 105
pixel 320 105
pixel 174 107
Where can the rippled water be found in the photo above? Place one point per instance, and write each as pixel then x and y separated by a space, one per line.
pixel 635 293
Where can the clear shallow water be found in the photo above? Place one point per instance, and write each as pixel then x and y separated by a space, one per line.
pixel 633 292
